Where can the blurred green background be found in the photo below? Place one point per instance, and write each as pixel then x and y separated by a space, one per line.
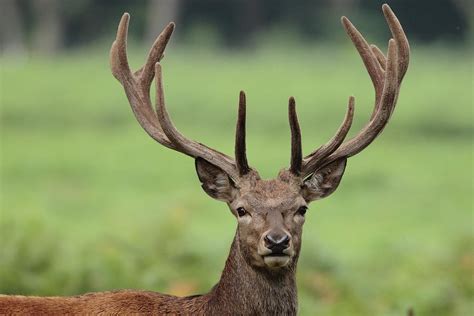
pixel 90 203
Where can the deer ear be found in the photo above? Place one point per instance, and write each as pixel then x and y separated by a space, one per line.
pixel 215 182
pixel 325 181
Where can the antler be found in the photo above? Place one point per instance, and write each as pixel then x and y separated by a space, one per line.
pixel 386 74
pixel 159 125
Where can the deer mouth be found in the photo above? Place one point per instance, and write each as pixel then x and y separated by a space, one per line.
pixel 276 254
pixel 276 260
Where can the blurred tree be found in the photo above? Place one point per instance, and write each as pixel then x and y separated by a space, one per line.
pixel 54 24
pixel 343 4
pixel 47 33
pixel 235 20
pixel 248 21
pixel 159 14
pixel 466 7
pixel 427 21
pixel 12 35
pixel 88 21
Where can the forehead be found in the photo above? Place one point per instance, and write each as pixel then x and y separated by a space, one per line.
pixel 272 194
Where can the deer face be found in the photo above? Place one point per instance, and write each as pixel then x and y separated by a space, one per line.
pixel 270 213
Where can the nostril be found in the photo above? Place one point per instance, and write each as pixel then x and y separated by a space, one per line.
pixel 277 243
pixel 285 240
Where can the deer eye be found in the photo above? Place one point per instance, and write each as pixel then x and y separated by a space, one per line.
pixel 302 210
pixel 241 211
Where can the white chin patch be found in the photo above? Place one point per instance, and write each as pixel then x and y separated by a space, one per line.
pixel 276 261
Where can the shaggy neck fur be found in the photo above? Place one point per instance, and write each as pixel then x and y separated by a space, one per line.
pixel 252 291
pixel 242 290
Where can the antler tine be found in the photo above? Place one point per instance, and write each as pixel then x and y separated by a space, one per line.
pixel 155 55
pixel 400 38
pixel 386 74
pixel 380 56
pixel 370 61
pixel 240 146
pixel 137 95
pixel 296 151
pixel 184 145
pixel 313 159
pixel 382 61
pixel 118 51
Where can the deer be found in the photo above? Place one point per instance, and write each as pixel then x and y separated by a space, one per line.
pixel 259 273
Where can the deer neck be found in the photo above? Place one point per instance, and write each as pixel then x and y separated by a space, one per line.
pixel 252 291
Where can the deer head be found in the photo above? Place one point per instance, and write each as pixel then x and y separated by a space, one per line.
pixel 270 213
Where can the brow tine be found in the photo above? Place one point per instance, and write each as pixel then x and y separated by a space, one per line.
pixel 240 145
pixel 296 151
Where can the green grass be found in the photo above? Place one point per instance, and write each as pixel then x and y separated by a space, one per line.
pixel 90 203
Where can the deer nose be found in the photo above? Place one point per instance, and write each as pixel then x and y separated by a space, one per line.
pixel 277 242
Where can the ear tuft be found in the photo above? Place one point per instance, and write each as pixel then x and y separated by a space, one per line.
pixel 325 181
pixel 215 182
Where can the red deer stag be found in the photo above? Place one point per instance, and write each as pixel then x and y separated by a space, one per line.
pixel 259 274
